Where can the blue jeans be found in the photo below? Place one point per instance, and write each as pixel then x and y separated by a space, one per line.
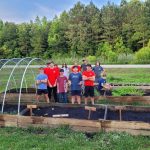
pixel 62 97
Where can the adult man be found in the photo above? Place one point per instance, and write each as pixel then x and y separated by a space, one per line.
pixel 89 78
pixel 98 69
pixel 52 74
pixel 83 66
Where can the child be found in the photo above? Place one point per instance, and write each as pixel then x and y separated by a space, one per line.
pixel 52 73
pixel 41 82
pixel 89 78
pixel 66 70
pixel 75 79
pixel 76 65
pixel 62 87
pixel 102 85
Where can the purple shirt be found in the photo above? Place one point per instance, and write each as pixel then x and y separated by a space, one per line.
pixel 62 83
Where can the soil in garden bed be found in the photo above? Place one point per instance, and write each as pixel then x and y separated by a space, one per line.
pixel 12 109
pixel 24 90
pixel 81 113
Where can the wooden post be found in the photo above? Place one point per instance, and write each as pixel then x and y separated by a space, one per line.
pixel 90 109
pixel 30 107
pixel 120 108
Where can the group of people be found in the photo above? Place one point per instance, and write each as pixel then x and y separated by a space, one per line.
pixel 57 82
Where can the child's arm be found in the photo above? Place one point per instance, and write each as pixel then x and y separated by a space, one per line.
pixel 57 87
pixel 44 81
pixel 38 82
pixel 66 87
pixel 69 82
pixel 48 83
pixel 107 86
pixel 85 77
pixel 92 78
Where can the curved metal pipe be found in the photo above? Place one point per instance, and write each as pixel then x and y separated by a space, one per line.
pixel 9 81
pixel 9 60
pixel 23 76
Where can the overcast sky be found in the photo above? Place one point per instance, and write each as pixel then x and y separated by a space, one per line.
pixel 25 10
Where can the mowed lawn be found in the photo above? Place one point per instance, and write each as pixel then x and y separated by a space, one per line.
pixel 136 75
pixel 63 138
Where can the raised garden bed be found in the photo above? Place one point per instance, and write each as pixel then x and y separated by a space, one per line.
pixel 134 120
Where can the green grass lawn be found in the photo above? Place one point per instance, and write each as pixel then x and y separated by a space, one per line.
pixel 136 75
pixel 63 138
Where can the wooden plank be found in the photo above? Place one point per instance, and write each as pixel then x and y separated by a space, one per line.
pixel 31 98
pixel 8 120
pixel 127 99
pixel 73 122
pixel 130 131
pixel 126 125
pixel 135 128
pixel 31 106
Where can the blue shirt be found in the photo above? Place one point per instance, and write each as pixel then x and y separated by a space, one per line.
pixel 101 82
pixel 75 79
pixel 98 70
pixel 42 86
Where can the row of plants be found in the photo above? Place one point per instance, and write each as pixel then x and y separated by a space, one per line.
pixel 123 91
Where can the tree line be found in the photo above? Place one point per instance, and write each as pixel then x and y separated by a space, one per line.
pixel 84 30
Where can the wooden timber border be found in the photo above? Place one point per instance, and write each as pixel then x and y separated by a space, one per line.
pixel 30 97
pixel 131 127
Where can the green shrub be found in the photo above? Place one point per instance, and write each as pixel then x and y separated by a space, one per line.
pixel 127 91
pixel 91 59
pixel 143 55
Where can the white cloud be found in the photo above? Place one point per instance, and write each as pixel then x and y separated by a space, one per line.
pixel 41 11
pixel 13 15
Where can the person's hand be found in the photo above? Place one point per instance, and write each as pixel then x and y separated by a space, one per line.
pixel 54 85
pixel 50 85
pixel 69 83
pixel 80 83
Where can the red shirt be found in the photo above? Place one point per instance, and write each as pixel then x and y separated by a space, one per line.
pixel 58 71
pixel 79 68
pixel 52 74
pixel 88 74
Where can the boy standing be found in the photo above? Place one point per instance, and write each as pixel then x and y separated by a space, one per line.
pixel 52 74
pixel 41 82
pixel 62 87
pixel 89 78
pixel 76 65
pixel 75 79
